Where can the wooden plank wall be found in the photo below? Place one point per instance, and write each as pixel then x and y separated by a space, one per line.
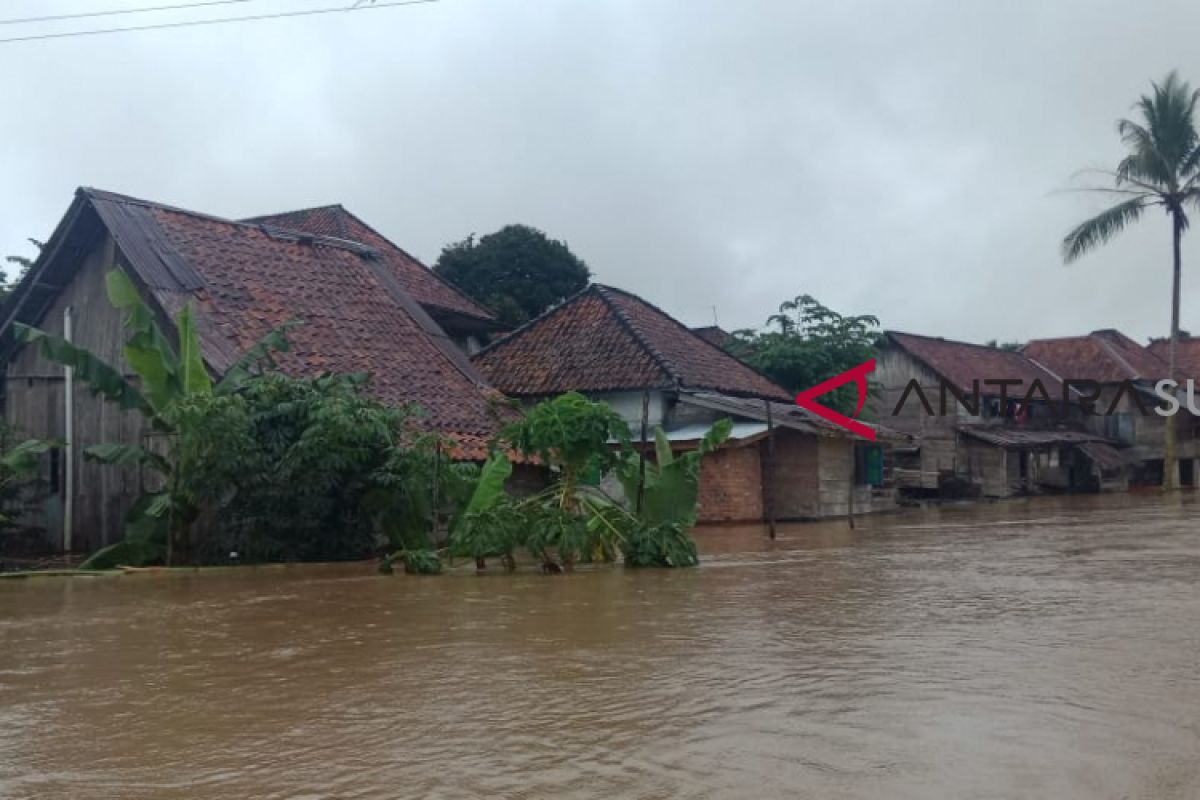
pixel 35 404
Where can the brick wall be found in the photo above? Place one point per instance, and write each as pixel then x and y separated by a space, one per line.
pixel 731 485
pixel 794 474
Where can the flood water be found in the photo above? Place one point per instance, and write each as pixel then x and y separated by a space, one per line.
pixel 1041 649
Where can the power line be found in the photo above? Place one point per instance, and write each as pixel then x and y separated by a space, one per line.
pixel 117 11
pixel 219 21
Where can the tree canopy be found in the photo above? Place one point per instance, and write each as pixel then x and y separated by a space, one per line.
pixel 518 271
pixel 806 343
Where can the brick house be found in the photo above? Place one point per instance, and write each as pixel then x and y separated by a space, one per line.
pixel 365 305
pixel 997 440
pixel 1127 373
pixel 781 462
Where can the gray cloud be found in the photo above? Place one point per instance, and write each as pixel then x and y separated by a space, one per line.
pixel 896 159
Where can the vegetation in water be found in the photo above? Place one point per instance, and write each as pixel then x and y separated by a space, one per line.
pixel 279 468
pixel 574 520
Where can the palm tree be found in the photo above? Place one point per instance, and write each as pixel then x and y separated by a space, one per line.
pixel 1162 169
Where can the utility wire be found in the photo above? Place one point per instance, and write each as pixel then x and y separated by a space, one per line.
pixel 219 21
pixel 117 11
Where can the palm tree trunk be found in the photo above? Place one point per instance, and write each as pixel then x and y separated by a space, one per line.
pixel 1170 462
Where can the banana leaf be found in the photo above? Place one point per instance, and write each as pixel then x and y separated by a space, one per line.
pixel 126 455
pixel 195 377
pixel 104 379
pixel 252 360
pixel 22 459
pixel 147 349
pixel 490 488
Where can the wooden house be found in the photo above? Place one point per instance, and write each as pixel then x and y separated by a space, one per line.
pixel 781 462
pixel 1126 373
pixel 364 305
pixel 979 426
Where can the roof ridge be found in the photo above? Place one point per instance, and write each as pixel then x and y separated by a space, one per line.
pixel 944 340
pixel 1111 349
pixel 305 210
pixel 1019 354
pixel 529 323
pixel 114 197
pixel 694 335
pixel 659 358
pixel 398 248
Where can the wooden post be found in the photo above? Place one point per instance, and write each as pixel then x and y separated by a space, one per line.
pixel 853 475
pixel 769 477
pixel 437 469
pixel 642 451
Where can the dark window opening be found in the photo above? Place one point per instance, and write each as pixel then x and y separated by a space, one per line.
pixel 55 470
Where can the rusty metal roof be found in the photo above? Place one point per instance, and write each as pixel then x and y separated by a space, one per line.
pixel 1007 437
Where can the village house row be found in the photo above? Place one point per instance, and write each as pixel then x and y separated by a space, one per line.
pixel 368 306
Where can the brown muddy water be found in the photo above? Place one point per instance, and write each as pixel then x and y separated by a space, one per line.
pixel 1042 649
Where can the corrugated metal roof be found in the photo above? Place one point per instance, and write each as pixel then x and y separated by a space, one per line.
pixel 1014 438
pixel 784 415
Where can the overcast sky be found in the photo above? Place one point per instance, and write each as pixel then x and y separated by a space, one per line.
pixel 901 159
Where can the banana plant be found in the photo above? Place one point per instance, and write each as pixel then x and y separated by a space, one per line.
pixel 671 487
pixel 168 380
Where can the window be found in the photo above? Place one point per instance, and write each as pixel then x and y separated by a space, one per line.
pixel 1119 426
pixel 868 465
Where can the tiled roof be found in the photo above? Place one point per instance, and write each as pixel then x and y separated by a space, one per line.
pixel 605 339
pixel 1187 353
pixel 418 280
pixel 961 363
pixel 1107 356
pixel 244 280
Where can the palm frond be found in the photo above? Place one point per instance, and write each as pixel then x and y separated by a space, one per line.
pixel 1144 163
pixel 1099 229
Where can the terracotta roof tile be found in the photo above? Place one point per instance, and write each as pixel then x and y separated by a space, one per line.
pixel 961 363
pixel 605 339
pixel 1187 354
pixel 356 317
pixel 420 281
pixel 1107 356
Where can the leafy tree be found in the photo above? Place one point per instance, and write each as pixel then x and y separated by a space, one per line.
pixel 575 437
pixel 1011 347
pixel 574 519
pixel 806 343
pixel 1162 169
pixel 23 264
pixel 518 272
pixel 313 469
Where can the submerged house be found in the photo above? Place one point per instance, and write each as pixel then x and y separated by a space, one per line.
pixel 780 462
pixel 1125 373
pixel 986 421
pixel 365 305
